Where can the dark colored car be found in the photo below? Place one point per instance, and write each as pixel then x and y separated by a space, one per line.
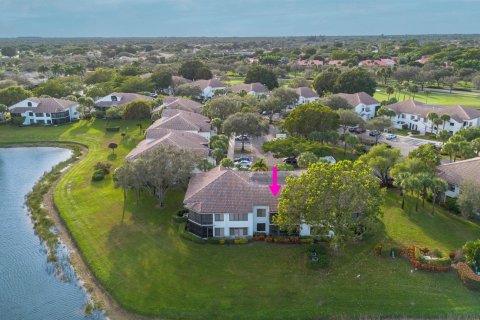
pixel 352 129
pixel 360 130
pixel 291 160
pixel 374 133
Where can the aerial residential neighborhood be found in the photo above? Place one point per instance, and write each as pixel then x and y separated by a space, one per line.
pixel 234 160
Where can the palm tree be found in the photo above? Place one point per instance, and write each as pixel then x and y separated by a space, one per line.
pixel 437 122
pixel 217 124
pixel 444 135
pixel 259 165
pixel 445 118
pixel 432 116
pixel 424 180
pixel 122 178
pixel 413 89
pixel 436 187
pixel 389 90
pixel 3 110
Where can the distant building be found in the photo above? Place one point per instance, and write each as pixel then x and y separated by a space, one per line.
pixel 209 87
pixel 364 104
pixel 116 99
pixel 413 115
pixel 306 63
pixel 179 120
pixel 45 111
pixel 456 173
pixel 306 94
pixel 379 62
pixel 180 104
pixel 254 89
pixel 335 62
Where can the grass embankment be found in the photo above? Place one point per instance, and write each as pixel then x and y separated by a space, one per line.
pixel 437 98
pixel 151 270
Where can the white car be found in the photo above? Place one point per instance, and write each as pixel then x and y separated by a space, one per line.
pixel 391 136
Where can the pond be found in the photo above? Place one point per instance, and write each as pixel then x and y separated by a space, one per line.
pixel 30 286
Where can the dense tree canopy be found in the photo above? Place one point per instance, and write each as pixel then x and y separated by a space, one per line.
pixel 13 94
pixel 161 79
pixel 248 123
pixel 356 80
pixel 263 75
pixel 381 159
pixel 137 109
pixel 195 70
pixel 222 106
pixel 325 82
pixel 311 117
pixel 344 198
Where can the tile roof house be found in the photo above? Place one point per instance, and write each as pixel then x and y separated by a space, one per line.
pixel 310 63
pixel 456 173
pixel 180 139
pixel 179 120
pixel 306 94
pixel 45 110
pixel 413 115
pixel 116 99
pixel 230 203
pixel 255 88
pixel 335 62
pixel 209 87
pixel 379 62
pixel 180 104
pixel 363 103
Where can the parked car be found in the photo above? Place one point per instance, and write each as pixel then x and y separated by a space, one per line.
pixel 291 160
pixel 240 159
pixel 391 136
pixel 328 159
pixel 352 129
pixel 359 130
pixel 374 133
pixel 245 164
pixel 241 138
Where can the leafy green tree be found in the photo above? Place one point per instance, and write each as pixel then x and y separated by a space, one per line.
pixel 471 251
pixel 227 163
pixel 305 159
pixel 287 97
pixel 135 85
pixel 113 146
pixel 57 88
pixel 349 118
pixel 336 102
pixel 161 79
pixel 385 112
pixel 9 51
pixel 218 154
pixel 271 105
pixel 381 159
pixel 138 109
pixel 469 198
pixel 3 111
pixel 13 94
pixel 259 165
pixel 219 141
pixel 344 198
pixel 356 80
pixel 222 106
pixel 249 124
pixel 349 140
pixel 217 124
pixel 99 75
pixel 389 91
pixel 325 82
pixel 195 70
pixel 188 90
pixel 475 145
pixel 428 154
pixel 311 117
pixel 263 75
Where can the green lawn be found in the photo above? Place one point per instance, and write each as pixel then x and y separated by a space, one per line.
pixel 447 99
pixel 149 269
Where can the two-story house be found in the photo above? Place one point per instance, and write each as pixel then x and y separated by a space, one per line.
pixel 413 115
pixel 209 87
pixel 45 111
pixel 234 204
pixel 456 173
pixel 181 104
pixel 306 95
pixel 363 103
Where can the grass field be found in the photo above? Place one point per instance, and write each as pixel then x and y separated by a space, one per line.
pixel 149 269
pixel 438 98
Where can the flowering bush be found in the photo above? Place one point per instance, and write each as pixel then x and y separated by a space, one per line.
pixel 418 260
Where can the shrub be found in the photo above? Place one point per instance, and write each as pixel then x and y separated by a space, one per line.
pixel 385 252
pixel 187 235
pixel 99 114
pixel 181 212
pixel 98 175
pixel 306 240
pixel 451 205
pixel 240 241
pixel 179 219
pixel 440 262
pixel 468 277
pixel 112 129
pixel 437 253
pixel 104 166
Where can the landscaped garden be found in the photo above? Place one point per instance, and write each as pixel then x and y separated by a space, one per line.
pixel 149 268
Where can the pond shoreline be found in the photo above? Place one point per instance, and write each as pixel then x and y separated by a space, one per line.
pixel 99 296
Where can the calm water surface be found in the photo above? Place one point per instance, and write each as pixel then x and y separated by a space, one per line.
pixel 30 287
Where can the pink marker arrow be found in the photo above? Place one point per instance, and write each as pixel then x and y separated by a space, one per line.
pixel 274 187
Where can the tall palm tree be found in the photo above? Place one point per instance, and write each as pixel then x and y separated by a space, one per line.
pixel 445 117
pixel 432 116
pixel 437 186
pixel 389 91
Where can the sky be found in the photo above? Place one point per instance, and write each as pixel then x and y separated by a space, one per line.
pixel 224 18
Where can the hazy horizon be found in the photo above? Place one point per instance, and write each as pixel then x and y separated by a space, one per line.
pixel 228 18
